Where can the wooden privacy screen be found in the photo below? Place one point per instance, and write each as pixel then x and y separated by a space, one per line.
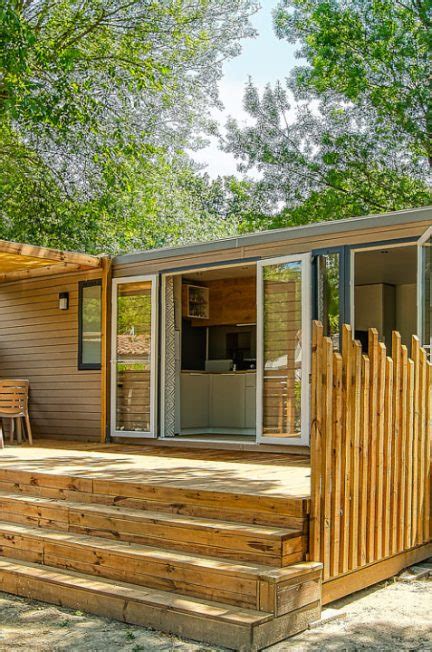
pixel 370 451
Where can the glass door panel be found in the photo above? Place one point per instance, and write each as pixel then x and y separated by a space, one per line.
pixel 328 294
pixel 424 290
pixel 134 357
pixel 284 343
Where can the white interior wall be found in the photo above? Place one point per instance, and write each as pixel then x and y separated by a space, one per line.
pixel 385 292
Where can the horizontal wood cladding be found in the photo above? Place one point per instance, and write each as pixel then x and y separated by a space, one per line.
pixel 40 342
pixel 280 247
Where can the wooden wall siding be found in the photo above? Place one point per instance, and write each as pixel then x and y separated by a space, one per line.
pixel 370 451
pixel 266 250
pixel 40 342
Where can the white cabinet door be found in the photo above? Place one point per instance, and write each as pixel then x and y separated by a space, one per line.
pixel 250 407
pixel 194 401
pixel 227 401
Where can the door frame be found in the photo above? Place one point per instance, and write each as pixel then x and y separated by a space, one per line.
pixel 304 437
pixel 123 280
pixel 372 246
pixel 344 281
pixel 420 290
pixel 181 271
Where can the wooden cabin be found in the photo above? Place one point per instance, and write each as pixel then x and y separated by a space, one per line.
pixel 228 435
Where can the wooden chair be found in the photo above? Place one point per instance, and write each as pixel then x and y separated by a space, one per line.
pixel 14 394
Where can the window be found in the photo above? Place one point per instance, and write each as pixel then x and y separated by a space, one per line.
pixel 331 290
pixel 90 325
pixel 328 294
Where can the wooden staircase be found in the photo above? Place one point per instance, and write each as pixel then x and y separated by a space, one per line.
pixel 225 568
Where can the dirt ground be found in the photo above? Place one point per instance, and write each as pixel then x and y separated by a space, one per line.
pixel 389 616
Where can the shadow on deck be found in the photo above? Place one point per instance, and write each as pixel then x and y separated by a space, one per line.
pixel 232 472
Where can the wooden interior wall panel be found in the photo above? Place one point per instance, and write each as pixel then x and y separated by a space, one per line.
pixel 231 301
pixel 40 342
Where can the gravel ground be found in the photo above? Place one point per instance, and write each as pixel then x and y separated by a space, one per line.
pixel 389 616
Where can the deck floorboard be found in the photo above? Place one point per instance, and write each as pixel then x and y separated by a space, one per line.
pixel 233 472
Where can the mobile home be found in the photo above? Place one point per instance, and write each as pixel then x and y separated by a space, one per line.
pixel 230 324
pixel 227 435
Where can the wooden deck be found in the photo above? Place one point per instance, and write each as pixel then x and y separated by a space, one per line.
pixel 207 544
pixel 281 475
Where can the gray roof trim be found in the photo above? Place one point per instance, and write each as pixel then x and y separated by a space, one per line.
pixel 287 233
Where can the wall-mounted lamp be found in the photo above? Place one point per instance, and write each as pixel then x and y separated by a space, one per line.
pixel 64 301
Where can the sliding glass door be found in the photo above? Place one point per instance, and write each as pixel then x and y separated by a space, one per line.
pixel 134 349
pixel 283 352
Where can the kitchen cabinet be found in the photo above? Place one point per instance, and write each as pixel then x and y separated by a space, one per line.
pixel 195 400
pixel 218 402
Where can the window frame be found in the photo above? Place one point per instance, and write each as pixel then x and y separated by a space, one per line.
pixel 344 282
pixel 87 366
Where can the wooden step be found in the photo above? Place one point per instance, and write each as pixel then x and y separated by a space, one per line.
pixel 236 541
pixel 207 621
pixel 161 496
pixel 243 584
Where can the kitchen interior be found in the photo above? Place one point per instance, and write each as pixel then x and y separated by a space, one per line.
pixel 218 353
pixel 386 293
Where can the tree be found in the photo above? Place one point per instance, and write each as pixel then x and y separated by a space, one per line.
pixel 347 134
pixel 373 52
pixel 90 88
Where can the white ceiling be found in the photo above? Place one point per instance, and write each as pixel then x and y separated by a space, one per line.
pixel 395 266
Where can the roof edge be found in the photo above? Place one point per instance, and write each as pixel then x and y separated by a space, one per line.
pixel 286 233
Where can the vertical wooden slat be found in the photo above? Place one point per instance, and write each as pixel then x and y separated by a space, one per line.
pixel 373 420
pixel 346 447
pixel 355 454
pixel 338 415
pixel 428 443
pixel 409 454
pixel 327 454
pixel 381 362
pixel 316 443
pixel 364 461
pixel 421 445
pixel 415 354
pixel 401 477
pixel 396 441
pixel 387 456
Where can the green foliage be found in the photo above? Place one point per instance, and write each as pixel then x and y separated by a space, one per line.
pixel 349 133
pixel 373 51
pixel 98 100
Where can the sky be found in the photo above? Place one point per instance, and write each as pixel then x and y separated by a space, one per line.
pixel 265 59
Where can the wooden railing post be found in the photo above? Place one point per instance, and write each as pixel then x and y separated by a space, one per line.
pixel 316 428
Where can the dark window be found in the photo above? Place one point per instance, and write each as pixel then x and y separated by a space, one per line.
pixel 90 325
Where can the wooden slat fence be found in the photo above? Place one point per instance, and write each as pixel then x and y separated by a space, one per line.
pixel 370 451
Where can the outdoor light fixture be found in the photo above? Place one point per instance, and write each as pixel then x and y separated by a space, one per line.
pixel 64 301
